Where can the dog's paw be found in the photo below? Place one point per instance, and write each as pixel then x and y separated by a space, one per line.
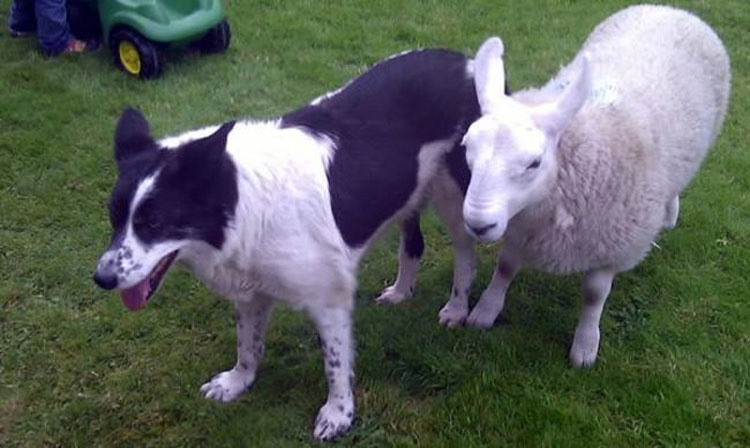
pixel 333 420
pixel 453 314
pixel 228 385
pixel 585 347
pixel 392 296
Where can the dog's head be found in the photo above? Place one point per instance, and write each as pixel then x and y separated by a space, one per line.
pixel 165 199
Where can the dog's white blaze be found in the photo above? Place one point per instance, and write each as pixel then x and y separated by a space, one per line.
pixel 143 189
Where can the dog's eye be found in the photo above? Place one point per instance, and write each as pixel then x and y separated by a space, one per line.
pixel 143 220
pixel 534 165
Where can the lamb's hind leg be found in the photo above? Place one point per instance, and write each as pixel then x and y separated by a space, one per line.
pixel 596 287
pixel 493 298
pixel 448 204
pixel 251 321
pixel 455 310
pixel 673 210
pixel 410 250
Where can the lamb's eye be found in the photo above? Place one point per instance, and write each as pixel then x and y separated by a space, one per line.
pixel 534 165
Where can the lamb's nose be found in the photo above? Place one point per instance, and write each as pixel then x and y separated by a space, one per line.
pixel 105 280
pixel 481 230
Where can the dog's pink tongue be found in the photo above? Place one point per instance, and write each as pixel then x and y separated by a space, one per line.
pixel 135 298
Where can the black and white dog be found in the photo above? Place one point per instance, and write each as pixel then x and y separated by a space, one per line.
pixel 285 209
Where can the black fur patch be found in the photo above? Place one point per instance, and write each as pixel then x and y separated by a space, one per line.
pixel 458 167
pixel 195 193
pixel 413 240
pixel 379 123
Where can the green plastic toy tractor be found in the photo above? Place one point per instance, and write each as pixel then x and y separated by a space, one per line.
pixel 138 31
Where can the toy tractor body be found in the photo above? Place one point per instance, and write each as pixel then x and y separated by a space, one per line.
pixel 137 31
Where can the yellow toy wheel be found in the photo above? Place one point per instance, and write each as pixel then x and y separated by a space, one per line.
pixel 134 54
pixel 129 57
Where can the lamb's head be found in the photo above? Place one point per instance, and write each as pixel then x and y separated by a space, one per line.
pixel 511 148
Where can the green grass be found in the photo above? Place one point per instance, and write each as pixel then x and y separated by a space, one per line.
pixel 77 369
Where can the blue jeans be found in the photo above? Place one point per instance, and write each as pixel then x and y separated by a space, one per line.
pixel 48 18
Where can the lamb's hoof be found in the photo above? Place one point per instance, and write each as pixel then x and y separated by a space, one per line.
pixel 333 421
pixel 228 385
pixel 481 319
pixel 392 296
pixel 453 315
pixel 585 347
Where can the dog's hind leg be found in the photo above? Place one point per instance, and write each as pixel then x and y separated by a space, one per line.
pixel 410 250
pixel 251 321
pixel 335 329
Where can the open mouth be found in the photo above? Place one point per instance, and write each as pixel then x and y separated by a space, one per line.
pixel 136 297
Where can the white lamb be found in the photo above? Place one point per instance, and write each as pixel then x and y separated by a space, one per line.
pixel 582 174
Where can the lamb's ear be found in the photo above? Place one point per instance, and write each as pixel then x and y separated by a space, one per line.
pixel 132 135
pixel 556 116
pixel 489 74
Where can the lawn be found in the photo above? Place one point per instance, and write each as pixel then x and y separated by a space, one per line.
pixel 78 369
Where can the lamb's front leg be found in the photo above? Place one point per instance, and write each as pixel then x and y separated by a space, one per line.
pixel 335 330
pixel 251 320
pixel 596 287
pixel 492 301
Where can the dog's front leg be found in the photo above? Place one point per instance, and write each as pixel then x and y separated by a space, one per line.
pixel 251 320
pixel 335 330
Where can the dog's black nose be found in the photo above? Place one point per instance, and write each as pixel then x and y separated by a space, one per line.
pixel 105 280
pixel 479 231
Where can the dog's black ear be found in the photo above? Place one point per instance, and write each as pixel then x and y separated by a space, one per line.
pixel 214 146
pixel 200 158
pixel 218 140
pixel 132 135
